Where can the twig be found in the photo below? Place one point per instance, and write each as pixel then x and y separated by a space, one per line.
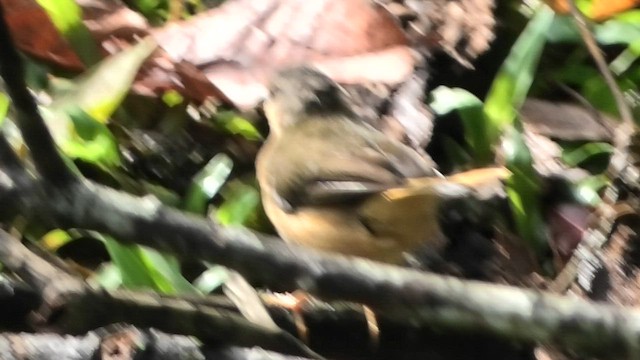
pixel 627 127
pixel 603 219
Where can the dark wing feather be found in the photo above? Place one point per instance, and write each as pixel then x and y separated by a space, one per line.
pixel 357 162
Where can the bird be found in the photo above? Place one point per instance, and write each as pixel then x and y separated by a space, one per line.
pixel 331 181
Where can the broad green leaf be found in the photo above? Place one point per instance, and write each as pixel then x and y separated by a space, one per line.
pixel 458 155
pixel 168 267
pixel 511 85
pixel 154 10
pixel 588 189
pixel 146 268
pixel 55 239
pixel 107 277
pixel 90 141
pixel 211 279
pixel 4 107
pixel 507 94
pixel 206 184
pixel 66 15
pixel 172 98
pixel 445 99
pixel 622 29
pixel 101 89
pixel 469 107
pixel 237 125
pixel 133 269
pixel 624 61
pixel 574 157
pixel 615 31
pixel 598 94
pixel 563 29
pixel 241 203
pixel 523 191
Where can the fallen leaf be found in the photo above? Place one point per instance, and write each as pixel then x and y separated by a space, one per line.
pixel 566 121
pixel 461 28
pixel 107 19
pixel 35 34
pixel 241 43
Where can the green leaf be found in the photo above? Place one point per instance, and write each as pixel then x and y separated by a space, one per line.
pixel 445 99
pixel 90 141
pixel 563 29
pixel 469 107
pixel 621 29
pixel 172 98
pixel 66 15
pixel 615 31
pixel 237 125
pixel 507 94
pixel 107 277
pixel 206 184
pixel 145 268
pixel 211 279
pixel 598 94
pixel 458 155
pixel 240 205
pixel 523 191
pixel 511 85
pixel 55 239
pixel 4 107
pixel 576 156
pixel 588 189
pixel 624 61
pixel 101 89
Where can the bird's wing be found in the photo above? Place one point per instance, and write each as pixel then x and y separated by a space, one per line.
pixel 410 213
pixel 338 164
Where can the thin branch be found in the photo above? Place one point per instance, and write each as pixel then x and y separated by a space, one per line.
pixel 603 219
pixel 624 131
pixel 34 131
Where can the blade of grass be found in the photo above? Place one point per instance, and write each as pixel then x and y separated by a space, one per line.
pixel 511 85
pixel 507 94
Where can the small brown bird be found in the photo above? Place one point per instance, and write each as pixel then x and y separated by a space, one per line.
pixel 331 181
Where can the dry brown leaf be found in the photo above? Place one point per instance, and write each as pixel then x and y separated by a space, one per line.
pixel 545 122
pixel 241 43
pixel 111 18
pixel 35 35
pixel 566 121
pixel 461 28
